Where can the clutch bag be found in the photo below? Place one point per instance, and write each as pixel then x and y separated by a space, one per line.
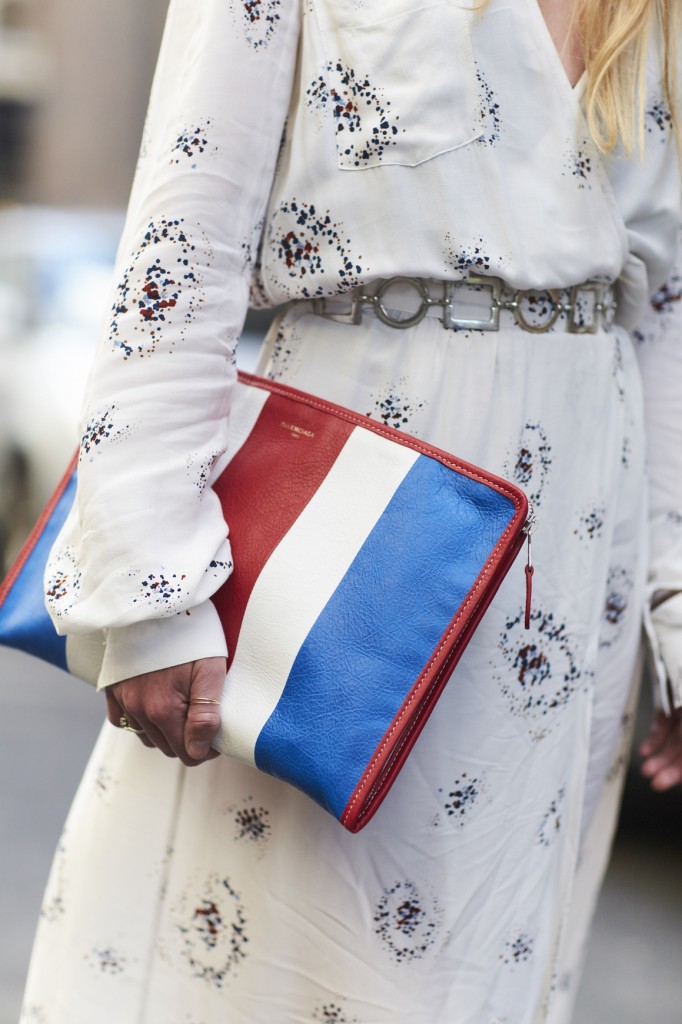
pixel 364 560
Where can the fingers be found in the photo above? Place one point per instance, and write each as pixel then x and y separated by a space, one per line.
pixel 203 717
pixel 665 769
pixel 159 704
pixel 156 705
pixel 657 736
pixel 662 750
pixel 115 713
pixel 665 777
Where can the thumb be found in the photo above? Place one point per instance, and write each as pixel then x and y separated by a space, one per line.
pixel 203 719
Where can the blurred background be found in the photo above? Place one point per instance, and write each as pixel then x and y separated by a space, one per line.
pixel 74 80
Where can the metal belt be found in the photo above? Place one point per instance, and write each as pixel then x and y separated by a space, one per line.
pixel 585 307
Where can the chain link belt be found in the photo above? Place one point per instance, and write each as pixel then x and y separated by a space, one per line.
pixel 587 307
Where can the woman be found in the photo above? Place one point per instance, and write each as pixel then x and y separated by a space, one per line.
pixel 430 141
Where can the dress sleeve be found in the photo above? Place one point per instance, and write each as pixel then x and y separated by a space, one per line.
pixel 146 544
pixel 659 348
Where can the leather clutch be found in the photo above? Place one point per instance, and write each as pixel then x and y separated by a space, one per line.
pixel 364 559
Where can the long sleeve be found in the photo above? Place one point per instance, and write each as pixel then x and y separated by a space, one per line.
pixel 659 347
pixel 146 544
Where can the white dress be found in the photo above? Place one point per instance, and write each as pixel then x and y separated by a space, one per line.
pixel 418 138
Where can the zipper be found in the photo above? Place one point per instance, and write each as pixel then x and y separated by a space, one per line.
pixel 529 528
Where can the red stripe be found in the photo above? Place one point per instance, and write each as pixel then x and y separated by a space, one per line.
pixel 37 531
pixel 265 488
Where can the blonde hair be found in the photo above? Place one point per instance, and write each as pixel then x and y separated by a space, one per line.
pixel 615 37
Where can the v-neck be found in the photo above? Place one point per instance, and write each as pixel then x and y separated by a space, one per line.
pixel 579 86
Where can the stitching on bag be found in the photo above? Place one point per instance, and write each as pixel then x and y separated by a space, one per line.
pixel 392 435
pixel 36 532
pixel 376 787
pixel 374 791
pixel 474 595
pixel 412 699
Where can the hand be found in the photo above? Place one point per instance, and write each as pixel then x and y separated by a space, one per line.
pixel 662 751
pixel 158 703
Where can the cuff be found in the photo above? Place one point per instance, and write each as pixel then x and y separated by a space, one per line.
pixel 160 643
pixel 663 626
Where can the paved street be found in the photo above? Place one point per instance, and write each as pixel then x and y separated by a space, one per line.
pixel 48 722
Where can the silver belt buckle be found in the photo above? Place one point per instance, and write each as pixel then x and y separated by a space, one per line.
pixel 351 316
pixel 492 323
pixel 599 308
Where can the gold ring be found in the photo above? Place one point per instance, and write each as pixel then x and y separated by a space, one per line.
pixel 203 700
pixel 125 724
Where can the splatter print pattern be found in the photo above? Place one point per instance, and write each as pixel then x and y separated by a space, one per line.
pixel 541 671
pixel 307 243
pixel 191 142
pixel 259 20
pixel 106 960
pixel 251 245
pixel 591 522
pixel 579 163
pixel 220 569
pixel 406 924
pixel 332 1013
pixel 668 295
pixel 659 121
pixel 199 466
pixel 618 369
pixel 489 123
pixel 285 359
pixel 532 461
pixel 622 755
pixel 211 927
pixel 104 782
pixel 471 257
pixel 537 309
pixel 663 304
pixel 164 590
pixel 552 821
pixel 54 903
pixel 394 408
pixel 618 591
pixel 252 824
pixel 366 128
pixel 157 294
pixel 518 949
pixel 101 428
pixel 63 585
pixel 462 798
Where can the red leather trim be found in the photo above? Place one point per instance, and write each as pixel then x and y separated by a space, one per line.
pixel 36 532
pixel 245 492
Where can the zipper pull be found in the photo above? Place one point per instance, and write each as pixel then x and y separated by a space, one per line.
pixel 528 529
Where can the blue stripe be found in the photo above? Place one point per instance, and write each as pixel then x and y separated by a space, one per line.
pixel 379 629
pixel 24 622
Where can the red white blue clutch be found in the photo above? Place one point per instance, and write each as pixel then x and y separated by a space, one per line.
pixel 364 560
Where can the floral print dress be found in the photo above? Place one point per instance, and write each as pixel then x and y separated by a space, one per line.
pixel 292 151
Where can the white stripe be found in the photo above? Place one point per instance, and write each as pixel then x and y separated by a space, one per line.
pixel 245 408
pixel 300 577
